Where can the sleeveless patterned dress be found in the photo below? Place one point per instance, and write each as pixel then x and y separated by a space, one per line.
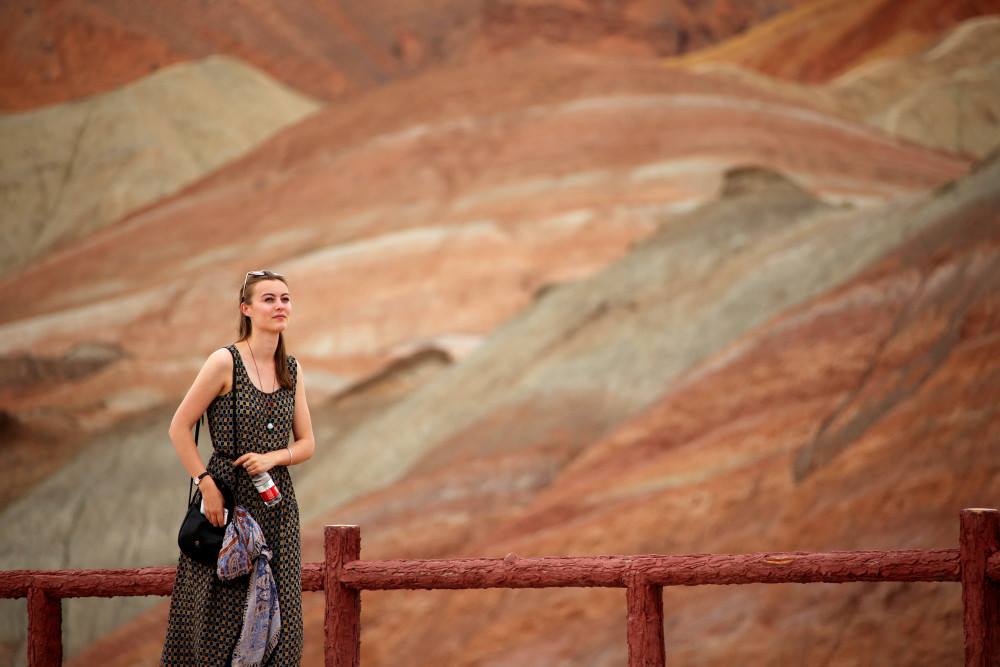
pixel 206 613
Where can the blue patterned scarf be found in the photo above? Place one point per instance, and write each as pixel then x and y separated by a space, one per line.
pixel 243 550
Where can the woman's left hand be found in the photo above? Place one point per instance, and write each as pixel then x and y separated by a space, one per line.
pixel 255 463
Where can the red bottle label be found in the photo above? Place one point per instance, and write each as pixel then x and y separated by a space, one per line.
pixel 269 493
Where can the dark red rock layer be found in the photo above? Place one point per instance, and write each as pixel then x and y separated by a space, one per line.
pixel 57 51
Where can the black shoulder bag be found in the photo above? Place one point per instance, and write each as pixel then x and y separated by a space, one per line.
pixel 197 537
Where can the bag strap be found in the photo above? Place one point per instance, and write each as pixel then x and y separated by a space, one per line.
pixel 236 423
pixel 197 427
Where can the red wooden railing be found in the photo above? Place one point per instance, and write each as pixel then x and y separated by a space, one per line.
pixel 976 564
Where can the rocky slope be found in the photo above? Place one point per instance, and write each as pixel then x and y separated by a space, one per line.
pixel 405 191
pixel 634 27
pixel 58 51
pixel 75 168
pixel 830 37
pixel 863 418
pixel 946 95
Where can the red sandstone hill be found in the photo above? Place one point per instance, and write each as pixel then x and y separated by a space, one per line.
pixel 71 169
pixel 637 27
pixel 945 95
pixel 419 179
pixel 863 418
pixel 819 40
pixel 57 51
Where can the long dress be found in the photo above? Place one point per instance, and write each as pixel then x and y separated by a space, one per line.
pixel 206 613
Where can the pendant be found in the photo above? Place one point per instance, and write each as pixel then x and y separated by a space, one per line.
pixel 270 426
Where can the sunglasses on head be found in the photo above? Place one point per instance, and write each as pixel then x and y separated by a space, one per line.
pixel 257 273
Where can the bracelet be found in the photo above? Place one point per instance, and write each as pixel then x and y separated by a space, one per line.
pixel 289 448
pixel 197 480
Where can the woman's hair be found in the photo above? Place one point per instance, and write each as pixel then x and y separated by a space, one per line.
pixel 281 371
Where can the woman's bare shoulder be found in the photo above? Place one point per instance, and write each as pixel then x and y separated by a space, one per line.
pixel 221 357
pixel 220 363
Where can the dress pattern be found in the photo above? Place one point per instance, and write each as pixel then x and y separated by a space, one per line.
pixel 206 613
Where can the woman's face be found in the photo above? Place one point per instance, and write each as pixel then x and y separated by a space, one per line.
pixel 270 306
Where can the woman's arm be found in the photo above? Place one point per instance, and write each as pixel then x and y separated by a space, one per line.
pixel 305 444
pixel 206 386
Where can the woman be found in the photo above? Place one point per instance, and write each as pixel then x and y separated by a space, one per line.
pixel 206 613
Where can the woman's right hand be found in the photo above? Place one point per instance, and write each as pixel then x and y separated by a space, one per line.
pixel 214 502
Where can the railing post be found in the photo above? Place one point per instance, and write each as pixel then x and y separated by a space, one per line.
pixel 44 629
pixel 645 624
pixel 979 539
pixel 342 632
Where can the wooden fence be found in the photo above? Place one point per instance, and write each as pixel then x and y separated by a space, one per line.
pixel 342 575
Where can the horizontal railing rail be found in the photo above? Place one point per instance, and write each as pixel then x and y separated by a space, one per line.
pixel 683 570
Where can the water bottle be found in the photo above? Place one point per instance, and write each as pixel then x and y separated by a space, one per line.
pixel 269 493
